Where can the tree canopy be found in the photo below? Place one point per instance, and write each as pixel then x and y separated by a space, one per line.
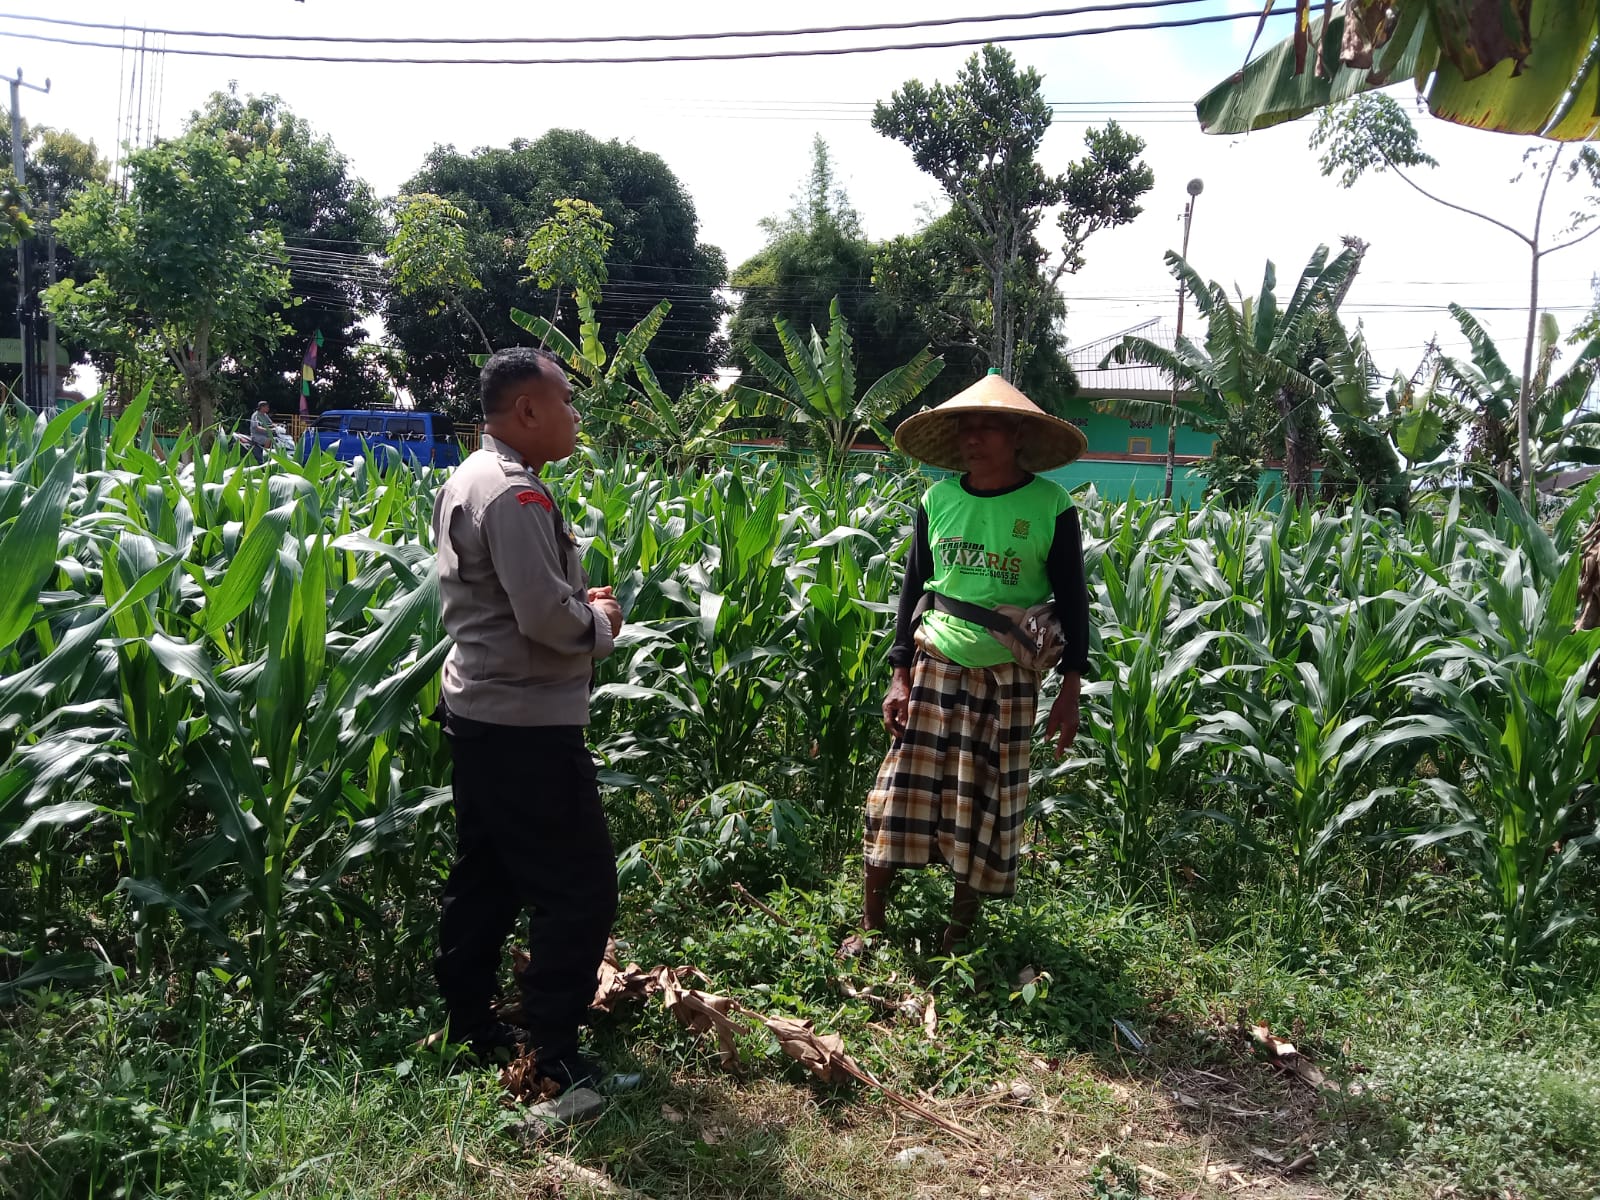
pixel 59 165
pixel 329 221
pixel 507 193
pixel 182 270
pixel 979 138
pixel 817 254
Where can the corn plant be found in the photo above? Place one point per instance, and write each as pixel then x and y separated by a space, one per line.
pixel 1514 800
pixel 714 658
pixel 841 576
pixel 209 641
pixel 1303 732
pixel 215 675
pixel 1142 715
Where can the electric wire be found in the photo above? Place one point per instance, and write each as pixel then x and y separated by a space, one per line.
pixel 598 39
pixel 724 56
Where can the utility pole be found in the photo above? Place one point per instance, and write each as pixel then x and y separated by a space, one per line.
pixel 52 382
pixel 30 382
pixel 1195 188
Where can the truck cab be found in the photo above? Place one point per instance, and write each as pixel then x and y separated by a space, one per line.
pixel 425 438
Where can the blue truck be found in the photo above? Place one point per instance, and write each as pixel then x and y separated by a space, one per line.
pixel 425 438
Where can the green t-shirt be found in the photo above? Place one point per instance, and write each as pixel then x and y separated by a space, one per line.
pixel 988 550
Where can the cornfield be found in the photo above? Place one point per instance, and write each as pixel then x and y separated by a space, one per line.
pixel 216 681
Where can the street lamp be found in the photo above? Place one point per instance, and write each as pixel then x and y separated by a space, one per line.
pixel 1196 186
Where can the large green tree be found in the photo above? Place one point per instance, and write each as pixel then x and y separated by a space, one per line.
pixel 58 166
pixel 930 278
pixel 817 254
pixel 330 224
pixel 182 269
pixel 980 138
pixel 507 194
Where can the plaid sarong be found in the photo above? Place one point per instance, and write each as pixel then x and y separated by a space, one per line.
pixel 954 787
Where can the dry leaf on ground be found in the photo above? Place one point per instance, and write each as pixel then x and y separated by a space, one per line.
pixel 1285 1055
pixel 616 982
pixel 521 1079
pixel 702 1012
pixel 821 1054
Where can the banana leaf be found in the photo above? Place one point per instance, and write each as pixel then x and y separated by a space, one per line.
pixel 1512 66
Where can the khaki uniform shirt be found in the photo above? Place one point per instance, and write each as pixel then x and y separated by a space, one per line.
pixel 514 597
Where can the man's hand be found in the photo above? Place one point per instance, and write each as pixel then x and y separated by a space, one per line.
pixel 897 704
pixel 602 601
pixel 1063 723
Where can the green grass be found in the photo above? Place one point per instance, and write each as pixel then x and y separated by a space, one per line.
pixel 1449 1079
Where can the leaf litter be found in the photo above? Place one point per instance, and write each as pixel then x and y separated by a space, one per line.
pixel 702 1012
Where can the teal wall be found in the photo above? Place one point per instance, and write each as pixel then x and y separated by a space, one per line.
pixel 1112 435
pixel 1143 481
pixel 1108 434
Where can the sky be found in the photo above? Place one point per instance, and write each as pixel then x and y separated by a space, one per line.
pixel 738 135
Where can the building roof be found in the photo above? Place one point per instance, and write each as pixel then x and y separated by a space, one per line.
pixel 1131 382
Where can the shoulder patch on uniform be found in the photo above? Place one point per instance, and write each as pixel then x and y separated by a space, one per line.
pixel 532 496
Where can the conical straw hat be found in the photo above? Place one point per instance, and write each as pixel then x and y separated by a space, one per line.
pixel 1047 442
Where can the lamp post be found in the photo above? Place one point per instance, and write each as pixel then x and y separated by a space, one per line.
pixel 1195 188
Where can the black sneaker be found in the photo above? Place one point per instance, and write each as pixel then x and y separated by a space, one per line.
pixel 497 1042
pixel 571 1071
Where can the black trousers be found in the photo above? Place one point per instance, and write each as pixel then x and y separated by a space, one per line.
pixel 530 835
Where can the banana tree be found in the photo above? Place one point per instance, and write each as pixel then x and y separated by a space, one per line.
pixel 815 387
pixel 675 433
pixel 1258 353
pixel 1560 432
pixel 1513 66
pixel 604 387
pixel 1380 439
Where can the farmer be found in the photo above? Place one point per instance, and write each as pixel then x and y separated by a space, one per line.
pixel 954 786
pixel 530 831
pixel 261 431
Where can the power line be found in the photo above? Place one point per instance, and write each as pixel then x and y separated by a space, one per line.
pixel 597 39
pixel 728 56
pixel 806 102
pixel 858 120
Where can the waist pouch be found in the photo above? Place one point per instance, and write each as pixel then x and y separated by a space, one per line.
pixel 1032 636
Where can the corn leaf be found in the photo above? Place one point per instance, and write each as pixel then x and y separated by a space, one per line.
pixel 28 548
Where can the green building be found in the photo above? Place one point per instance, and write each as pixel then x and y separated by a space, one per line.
pixel 1127 457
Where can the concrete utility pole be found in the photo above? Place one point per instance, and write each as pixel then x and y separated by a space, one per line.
pixel 1195 188
pixel 30 367
pixel 51 382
